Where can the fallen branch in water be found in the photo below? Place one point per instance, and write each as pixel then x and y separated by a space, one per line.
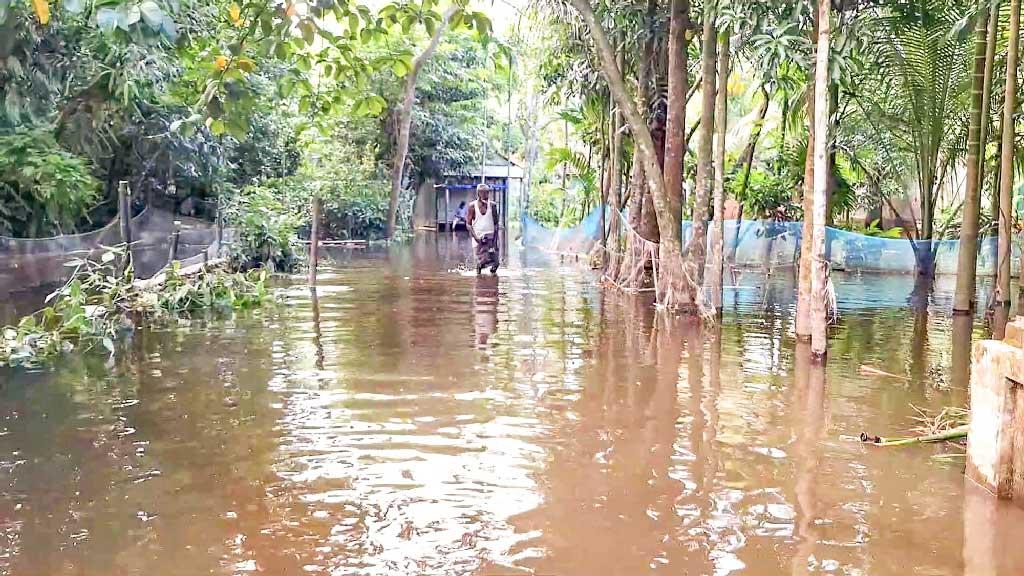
pixel 869 371
pixel 951 434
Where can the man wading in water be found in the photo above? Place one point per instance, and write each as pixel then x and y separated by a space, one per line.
pixel 482 222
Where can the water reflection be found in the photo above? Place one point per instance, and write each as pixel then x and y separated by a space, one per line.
pixel 404 419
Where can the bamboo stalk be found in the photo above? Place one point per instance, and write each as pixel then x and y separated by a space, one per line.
pixel 951 434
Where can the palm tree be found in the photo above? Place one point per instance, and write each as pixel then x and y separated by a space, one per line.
pixel 921 98
pixel 1006 161
pixel 963 299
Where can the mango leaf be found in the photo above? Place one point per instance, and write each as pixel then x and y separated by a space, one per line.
pixel 235 14
pixel 399 68
pixel 42 9
pixel 376 105
pixel 130 15
pixel 169 29
pixel 483 23
pixel 308 31
pixel 217 127
pixel 72 6
pixel 107 19
pixel 152 14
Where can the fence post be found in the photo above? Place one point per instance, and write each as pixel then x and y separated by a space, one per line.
pixel 314 239
pixel 175 238
pixel 124 210
pixel 220 224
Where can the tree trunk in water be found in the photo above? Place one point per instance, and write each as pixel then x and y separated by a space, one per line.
pixel 697 252
pixel 1006 161
pixel 986 105
pixel 672 291
pixel 721 124
pixel 405 120
pixel 803 302
pixel 675 129
pixel 967 265
pixel 819 271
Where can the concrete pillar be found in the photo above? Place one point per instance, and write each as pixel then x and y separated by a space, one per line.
pixel 995 447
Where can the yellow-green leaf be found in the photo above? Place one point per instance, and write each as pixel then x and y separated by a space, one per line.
pixel 42 9
pixel 235 14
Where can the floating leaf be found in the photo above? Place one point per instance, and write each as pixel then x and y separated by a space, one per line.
pixel 42 9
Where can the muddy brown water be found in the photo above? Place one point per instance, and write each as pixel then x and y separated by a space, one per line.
pixel 413 420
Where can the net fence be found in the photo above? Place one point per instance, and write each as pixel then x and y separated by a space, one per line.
pixel 766 243
pixel 30 262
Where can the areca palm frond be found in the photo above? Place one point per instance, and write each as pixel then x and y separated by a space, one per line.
pixel 924 45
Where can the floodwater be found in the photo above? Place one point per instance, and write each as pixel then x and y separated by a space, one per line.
pixel 413 420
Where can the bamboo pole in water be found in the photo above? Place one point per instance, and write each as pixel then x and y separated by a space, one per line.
pixel 819 279
pixel 314 239
pixel 1006 162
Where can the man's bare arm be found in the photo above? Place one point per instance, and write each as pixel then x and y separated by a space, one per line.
pixel 470 217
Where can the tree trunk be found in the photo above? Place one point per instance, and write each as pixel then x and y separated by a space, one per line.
pixel 405 120
pixel 986 105
pixel 819 271
pixel 675 129
pixel 697 251
pixel 967 265
pixel 721 124
pixel 672 291
pixel 747 164
pixel 1006 161
pixel 803 302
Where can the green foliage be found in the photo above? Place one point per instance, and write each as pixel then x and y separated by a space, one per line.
pixel 874 231
pixel 99 303
pixel 265 226
pixel 44 190
pixel 768 195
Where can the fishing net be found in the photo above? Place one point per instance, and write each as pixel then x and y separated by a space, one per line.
pixel 769 244
pixel 29 262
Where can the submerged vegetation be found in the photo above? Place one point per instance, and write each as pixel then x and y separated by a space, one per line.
pixel 102 301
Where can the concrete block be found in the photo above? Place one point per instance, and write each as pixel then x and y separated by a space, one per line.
pixel 1015 333
pixel 995 447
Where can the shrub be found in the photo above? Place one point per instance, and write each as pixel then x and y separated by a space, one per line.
pixel 44 190
pixel 265 226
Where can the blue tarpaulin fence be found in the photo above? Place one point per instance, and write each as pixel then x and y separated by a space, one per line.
pixel 760 243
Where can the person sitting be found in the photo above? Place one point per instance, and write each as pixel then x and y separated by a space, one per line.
pixel 460 215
